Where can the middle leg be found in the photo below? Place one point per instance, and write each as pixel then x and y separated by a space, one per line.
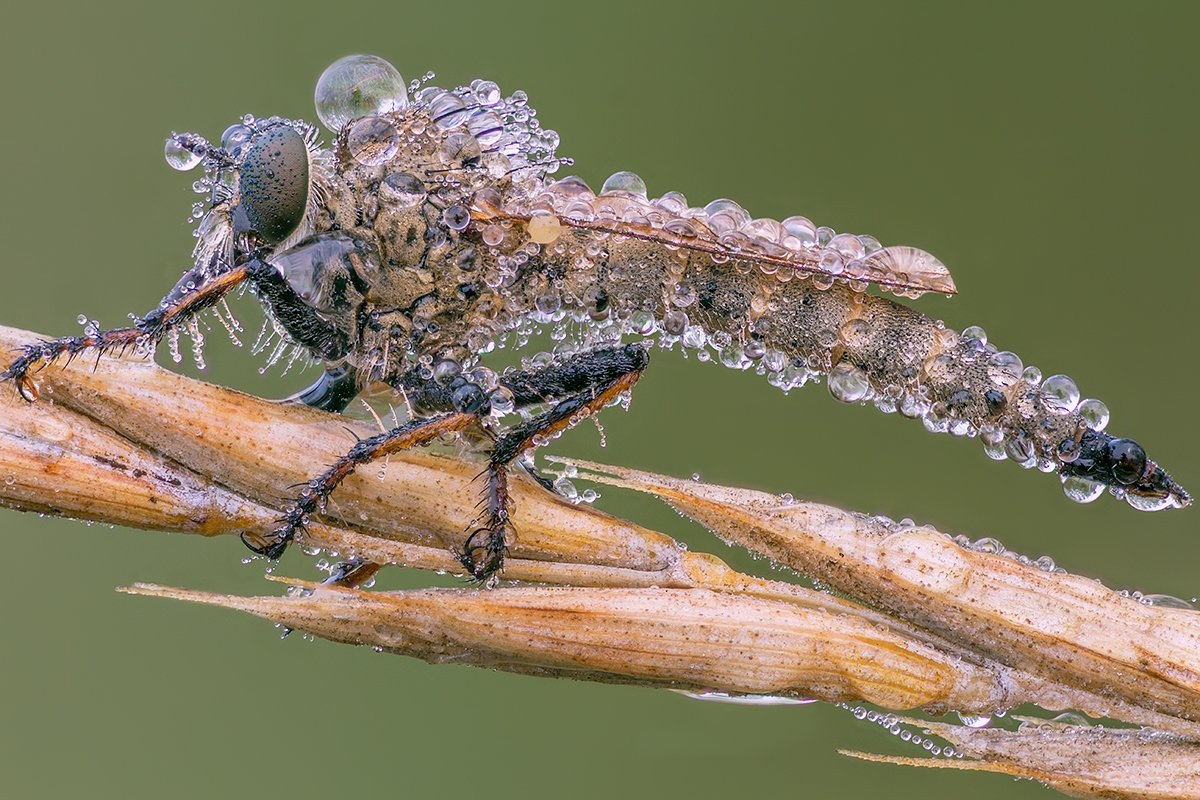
pixel 596 379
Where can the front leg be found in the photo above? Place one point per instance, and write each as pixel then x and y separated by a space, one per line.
pixel 597 378
pixel 193 293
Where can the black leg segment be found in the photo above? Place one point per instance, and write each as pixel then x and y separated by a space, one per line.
pixel 592 380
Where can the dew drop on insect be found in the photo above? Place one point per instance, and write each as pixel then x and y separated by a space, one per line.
pixel 1005 368
pixel 1148 503
pixel 1061 393
pixel 403 189
pixel 456 217
pixel 492 235
pixel 547 304
pixel 448 110
pixel 976 333
pixel 502 401
pixel 234 138
pixel 848 383
pixel 544 228
pixel 356 86
pixel 831 262
pixel 1032 375
pixel 642 323
pixel 1094 413
pixel 372 141
pixel 487 127
pixel 487 92
pixel 675 322
pixel 180 157
pixel 627 183
pixel 1080 489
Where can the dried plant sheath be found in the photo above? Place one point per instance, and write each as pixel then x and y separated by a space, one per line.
pixel 1081 762
pixel 682 638
pixel 1067 628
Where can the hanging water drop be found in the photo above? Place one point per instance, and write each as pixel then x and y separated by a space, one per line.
pixel 179 156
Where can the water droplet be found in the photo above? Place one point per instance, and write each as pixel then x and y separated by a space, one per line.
pixel 1144 503
pixel 502 401
pixel 642 323
pixel 565 488
pixel 372 141
pixel 1080 489
pixel 856 333
pixel 749 699
pixel 975 720
pixel 180 157
pixel 544 228
pixel 403 189
pixel 1167 601
pixel 448 110
pixel 1061 393
pixel 356 86
pixel 456 217
pixel 1005 368
pixel 492 235
pixel 487 127
pixel 799 232
pixel 831 262
pixel 977 333
pixel 1094 413
pixel 848 383
pixel 236 137
pixel 487 92
pixel 675 322
pixel 627 183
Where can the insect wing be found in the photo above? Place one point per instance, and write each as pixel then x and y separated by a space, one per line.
pixel 725 236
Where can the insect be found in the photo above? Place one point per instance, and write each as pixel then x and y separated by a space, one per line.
pixel 431 227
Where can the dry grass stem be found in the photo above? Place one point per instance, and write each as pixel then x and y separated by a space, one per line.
pixel 1081 762
pixel 940 626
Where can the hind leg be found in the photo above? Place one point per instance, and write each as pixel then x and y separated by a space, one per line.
pixel 595 380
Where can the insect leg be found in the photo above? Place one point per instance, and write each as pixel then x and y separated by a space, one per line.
pixel 316 492
pixel 190 296
pixel 590 382
pixel 297 316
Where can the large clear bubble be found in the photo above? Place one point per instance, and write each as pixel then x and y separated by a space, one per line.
pixel 356 86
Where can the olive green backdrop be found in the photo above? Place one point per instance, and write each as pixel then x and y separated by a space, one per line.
pixel 1045 152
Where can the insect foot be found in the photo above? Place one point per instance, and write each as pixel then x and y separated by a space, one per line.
pixel 484 551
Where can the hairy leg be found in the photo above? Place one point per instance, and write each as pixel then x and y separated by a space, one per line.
pixel 189 297
pixel 316 492
pixel 594 379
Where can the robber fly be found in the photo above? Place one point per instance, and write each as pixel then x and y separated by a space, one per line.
pixel 431 228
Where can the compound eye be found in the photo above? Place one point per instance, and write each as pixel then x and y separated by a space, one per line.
pixel 274 183
pixel 1128 460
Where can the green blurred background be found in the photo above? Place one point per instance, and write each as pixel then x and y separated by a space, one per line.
pixel 1044 151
